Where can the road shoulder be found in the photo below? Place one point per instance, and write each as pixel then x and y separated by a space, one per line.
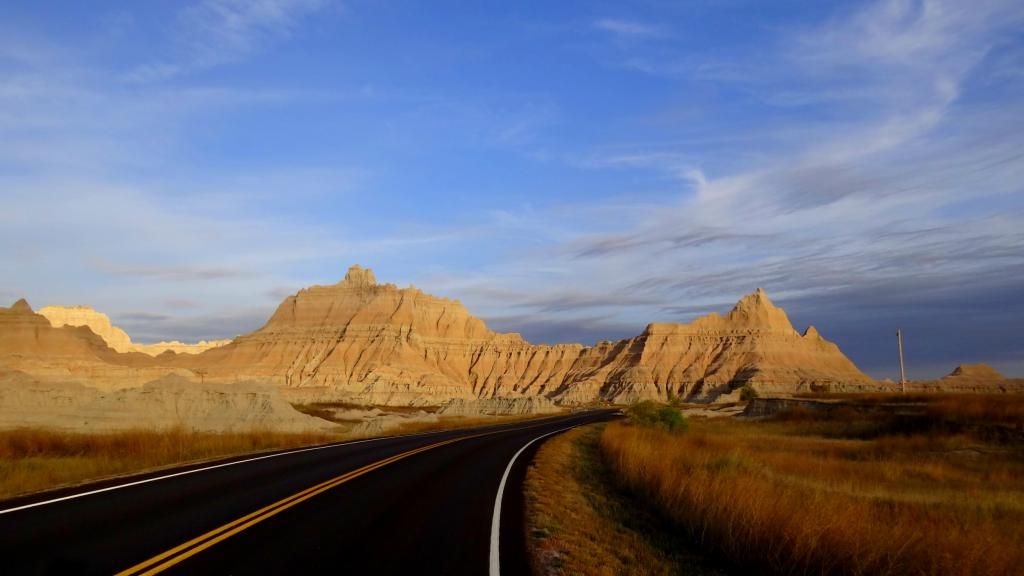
pixel 578 523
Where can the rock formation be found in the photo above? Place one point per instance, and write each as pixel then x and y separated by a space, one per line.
pixel 171 401
pixel 371 343
pixel 28 342
pixel 158 348
pixel 379 344
pixel 499 406
pixel 970 378
pixel 713 356
pixel 975 372
pixel 85 316
pixel 115 337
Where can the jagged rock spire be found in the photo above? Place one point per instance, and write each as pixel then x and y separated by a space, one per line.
pixel 359 276
pixel 757 310
pixel 21 306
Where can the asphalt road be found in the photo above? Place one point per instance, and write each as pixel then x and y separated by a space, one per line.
pixel 422 504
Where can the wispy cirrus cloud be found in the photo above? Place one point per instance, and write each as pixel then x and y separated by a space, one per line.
pixel 895 192
pixel 631 29
pixel 861 162
pixel 171 273
pixel 215 32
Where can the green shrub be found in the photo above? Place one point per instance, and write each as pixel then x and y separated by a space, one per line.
pixel 672 420
pixel 648 413
pixel 748 393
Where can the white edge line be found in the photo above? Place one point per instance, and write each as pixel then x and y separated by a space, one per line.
pixel 186 472
pixel 495 569
pixel 204 469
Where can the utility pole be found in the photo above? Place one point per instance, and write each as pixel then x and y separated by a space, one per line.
pixel 202 375
pixel 903 377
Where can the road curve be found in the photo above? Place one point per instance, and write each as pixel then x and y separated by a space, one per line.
pixel 411 504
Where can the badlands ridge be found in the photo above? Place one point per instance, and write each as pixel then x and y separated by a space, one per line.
pixel 115 337
pixel 380 344
pixel 359 341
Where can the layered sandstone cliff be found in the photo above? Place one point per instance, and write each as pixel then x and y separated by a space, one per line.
pixel 713 356
pixel 373 343
pixel 115 337
pixel 29 343
pixel 377 343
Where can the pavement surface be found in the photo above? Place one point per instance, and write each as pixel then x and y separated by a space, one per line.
pixel 418 504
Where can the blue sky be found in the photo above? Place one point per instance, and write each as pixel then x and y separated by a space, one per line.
pixel 570 170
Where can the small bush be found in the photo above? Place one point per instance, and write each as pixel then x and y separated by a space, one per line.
pixel 652 414
pixel 748 393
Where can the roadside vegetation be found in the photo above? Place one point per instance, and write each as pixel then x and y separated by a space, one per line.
pixel 656 415
pixel 36 459
pixel 937 488
pixel 951 413
pixel 579 523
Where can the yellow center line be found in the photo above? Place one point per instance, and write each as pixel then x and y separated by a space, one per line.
pixel 212 537
pixel 165 560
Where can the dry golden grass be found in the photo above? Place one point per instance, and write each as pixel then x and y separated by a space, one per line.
pixel 36 459
pixel 979 408
pixel 795 497
pixel 577 523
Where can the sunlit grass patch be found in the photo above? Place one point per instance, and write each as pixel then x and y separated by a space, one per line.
pixel 796 496
pixel 579 523
pixel 34 459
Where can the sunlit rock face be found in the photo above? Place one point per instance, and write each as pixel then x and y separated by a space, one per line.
pixel 115 337
pixel 362 341
pixel 28 342
pixel 378 343
pixel 98 322
pixel 711 357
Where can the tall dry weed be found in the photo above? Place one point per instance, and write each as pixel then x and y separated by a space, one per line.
pixel 35 459
pixel 774 502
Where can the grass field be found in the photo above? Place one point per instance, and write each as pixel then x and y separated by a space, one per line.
pixel 578 523
pixel 38 459
pixel 936 491
pixel 34 459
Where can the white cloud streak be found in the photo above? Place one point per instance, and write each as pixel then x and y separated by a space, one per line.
pixel 628 29
pixel 917 190
pixel 216 32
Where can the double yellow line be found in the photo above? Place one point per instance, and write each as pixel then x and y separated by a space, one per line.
pixel 196 545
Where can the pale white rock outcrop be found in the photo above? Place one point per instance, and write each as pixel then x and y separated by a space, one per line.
pixel 169 402
pixel 500 406
pixel 115 337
